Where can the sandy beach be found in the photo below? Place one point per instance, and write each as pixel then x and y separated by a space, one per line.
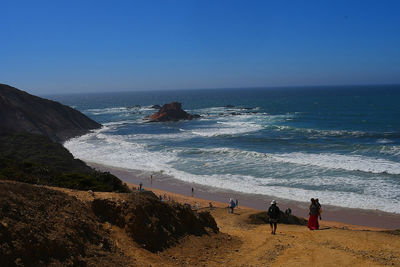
pixel 332 215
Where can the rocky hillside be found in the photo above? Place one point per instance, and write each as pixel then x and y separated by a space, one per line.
pixel 46 227
pixel 153 224
pixel 22 112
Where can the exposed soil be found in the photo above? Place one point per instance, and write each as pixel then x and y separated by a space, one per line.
pixel 243 239
pixel 40 226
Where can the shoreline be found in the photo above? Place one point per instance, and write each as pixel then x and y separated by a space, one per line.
pixel 332 216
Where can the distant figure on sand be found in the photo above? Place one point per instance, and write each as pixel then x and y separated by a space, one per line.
pixel 151 180
pixel 232 205
pixel 140 186
pixel 192 191
pixel 313 219
pixel 319 208
pixel 273 214
pixel 237 203
pixel 288 212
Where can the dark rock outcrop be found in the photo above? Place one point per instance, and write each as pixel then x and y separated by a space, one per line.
pixel 262 217
pixel 153 224
pixel 44 227
pixel 171 112
pixel 21 112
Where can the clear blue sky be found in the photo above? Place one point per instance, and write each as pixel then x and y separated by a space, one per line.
pixel 88 46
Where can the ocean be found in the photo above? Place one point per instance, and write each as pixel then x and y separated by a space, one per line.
pixel 339 144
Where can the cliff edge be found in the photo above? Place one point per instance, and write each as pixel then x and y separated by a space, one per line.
pixel 22 112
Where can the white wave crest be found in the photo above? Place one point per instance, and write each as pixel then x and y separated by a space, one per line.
pixel 337 161
pixel 391 150
pixel 227 128
pixel 116 151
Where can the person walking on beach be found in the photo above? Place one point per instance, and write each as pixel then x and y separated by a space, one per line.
pixel 273 214
pixel 192 191
pixel 313 219
pixel 319 208
pixel 231 205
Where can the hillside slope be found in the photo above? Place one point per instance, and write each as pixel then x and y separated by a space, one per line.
pixel 36 159
pixel 41 226
pixel 22 112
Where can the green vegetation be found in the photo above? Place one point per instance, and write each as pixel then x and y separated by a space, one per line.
pixel 36 159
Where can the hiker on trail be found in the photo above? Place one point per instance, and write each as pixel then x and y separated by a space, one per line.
pixel 313 219
pixel 192 191
pixel 232 205
pixel 151 180
pixel 273 214
pixel 140 186
pixel 237 203
pixel 319 208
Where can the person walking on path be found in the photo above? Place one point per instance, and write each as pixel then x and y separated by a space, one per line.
pixel 313 219
pixel 273 214
pixel 140 186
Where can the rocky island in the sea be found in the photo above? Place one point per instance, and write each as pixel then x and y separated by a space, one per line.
pixel 171 112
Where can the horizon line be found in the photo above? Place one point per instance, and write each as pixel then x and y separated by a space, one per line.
pixel 225 88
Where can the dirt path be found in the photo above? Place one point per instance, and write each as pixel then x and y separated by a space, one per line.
pixel 242 244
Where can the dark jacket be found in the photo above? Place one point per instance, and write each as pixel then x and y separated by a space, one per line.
pixel 273 211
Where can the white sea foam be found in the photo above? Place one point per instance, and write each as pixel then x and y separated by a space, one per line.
pixel 322 160
pixel 227 128
pixel 391 150
pixel 116 151
pixel 384 141
pixel 337 161
pixel 116 110
pixel 101 111
pixel 128 152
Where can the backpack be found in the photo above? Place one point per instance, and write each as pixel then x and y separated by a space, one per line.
pixel 273 212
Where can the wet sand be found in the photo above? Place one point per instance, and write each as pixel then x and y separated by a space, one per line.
pixel 331 216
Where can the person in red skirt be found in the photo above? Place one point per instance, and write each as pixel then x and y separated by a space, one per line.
pixel 313 219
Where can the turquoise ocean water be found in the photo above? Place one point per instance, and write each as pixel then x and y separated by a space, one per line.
pixel 341 144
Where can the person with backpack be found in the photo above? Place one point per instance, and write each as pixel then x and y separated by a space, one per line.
pixel 319 208
pixel 273 214
pixel 231 205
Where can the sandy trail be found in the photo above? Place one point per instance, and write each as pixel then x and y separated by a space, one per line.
pixel 240 243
